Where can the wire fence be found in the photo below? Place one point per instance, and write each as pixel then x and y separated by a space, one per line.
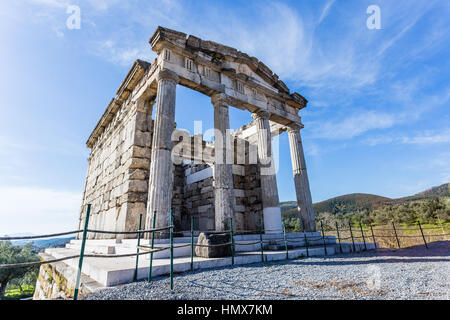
pixel 391 236
pixel 385 236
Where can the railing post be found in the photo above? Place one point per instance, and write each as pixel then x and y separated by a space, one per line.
pixel 362 233
pixel 306 244
pixel 192 243
pixel 421 231
pixel 351 234
pixel 232 241
pixel 373 236
pixel 171 250
pixel 339 237
pixel 285 242
pixel 396 236
pixel 80 260
pixel 323 238
pixel 261 241
pixel 152 246
pixel 305 238
pixel 137 250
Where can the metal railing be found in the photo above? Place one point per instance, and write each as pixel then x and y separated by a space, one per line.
pixel 390 233
pixel 307 241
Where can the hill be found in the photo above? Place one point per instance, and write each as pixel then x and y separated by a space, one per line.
pixel 44 243
pixel 362 201
pixel 442 191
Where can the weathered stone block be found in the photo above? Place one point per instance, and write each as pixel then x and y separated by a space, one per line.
pixel 218 243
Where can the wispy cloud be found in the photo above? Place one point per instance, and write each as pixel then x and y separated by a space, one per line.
pixel 282 36
pixel 352 126
pixel 422 138
pixel 325 10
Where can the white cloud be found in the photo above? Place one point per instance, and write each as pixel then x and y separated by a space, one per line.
pixel 119 54
pixel 422 138
pixel 326 10
pixel 352 126
pixel 38 210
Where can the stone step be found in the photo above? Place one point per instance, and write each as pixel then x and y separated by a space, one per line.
pixel 116 271
pixel 93 248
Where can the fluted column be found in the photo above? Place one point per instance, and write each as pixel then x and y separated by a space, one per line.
pixel 269 188
pixel 223 170
pixel 302 190
pixel 161 167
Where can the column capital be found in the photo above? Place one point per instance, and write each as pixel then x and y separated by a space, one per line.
pixel 294 127
pixel 166 74
pixel 219 99
pixel 261 114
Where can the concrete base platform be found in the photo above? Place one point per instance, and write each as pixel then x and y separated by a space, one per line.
pixel 114 271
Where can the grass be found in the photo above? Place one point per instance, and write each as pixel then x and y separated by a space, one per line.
pixel 15 293
pixel 408 235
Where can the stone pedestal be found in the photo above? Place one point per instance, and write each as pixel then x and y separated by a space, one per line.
pixel 161 166
pixel 223 171
pixel 302 190
pixel 269 188
pixel 216 250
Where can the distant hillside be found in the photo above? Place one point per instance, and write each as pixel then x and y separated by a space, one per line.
pixel 361 201
pixel 441 191
pixel 45 243
pixel 350 203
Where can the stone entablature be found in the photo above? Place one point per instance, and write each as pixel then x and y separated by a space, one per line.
pixel 135 167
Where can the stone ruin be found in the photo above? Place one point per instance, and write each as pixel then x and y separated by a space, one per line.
pixel 137 167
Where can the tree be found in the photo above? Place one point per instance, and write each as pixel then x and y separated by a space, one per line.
pixel 10 254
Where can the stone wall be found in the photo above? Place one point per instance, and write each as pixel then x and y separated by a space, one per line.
pixel 117 176
pixel 199 197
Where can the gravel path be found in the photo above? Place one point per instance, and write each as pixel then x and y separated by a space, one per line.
pixel 413 273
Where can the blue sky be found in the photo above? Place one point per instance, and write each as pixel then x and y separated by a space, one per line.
pixel 378 118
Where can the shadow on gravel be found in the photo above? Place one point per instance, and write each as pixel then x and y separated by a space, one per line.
pixel 435 249
pixel 438 251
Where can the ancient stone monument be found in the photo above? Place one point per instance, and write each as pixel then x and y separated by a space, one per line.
pixel 141 163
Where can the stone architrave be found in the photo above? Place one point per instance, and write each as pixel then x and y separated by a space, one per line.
pixel 302 190
pixel 269 189
pixel 223 171
pixel 161 167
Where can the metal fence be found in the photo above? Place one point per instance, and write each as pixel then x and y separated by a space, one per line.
pixel 391 236
pixel 307 241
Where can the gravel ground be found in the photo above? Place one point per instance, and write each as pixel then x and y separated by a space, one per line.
pixel 412 273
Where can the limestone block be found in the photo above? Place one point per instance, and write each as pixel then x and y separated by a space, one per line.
pixel 141 152
pixel 206 189
pixel 143 139
pixel 142 121
pixel 215 251
pixel 137 186
pixel 137 174
pixel 138 163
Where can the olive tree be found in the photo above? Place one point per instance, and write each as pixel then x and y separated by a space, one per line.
pixel 10 254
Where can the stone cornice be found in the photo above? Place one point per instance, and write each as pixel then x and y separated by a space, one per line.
pixel 219 54
pixel 136 72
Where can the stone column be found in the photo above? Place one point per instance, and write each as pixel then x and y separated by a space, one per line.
pixel 223 171
pixel 161 167
pixel 302 190
pixel 269 188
